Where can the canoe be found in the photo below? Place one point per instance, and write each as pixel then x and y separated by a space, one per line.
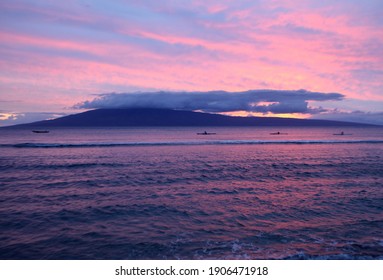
pixel 206 133
pixel 341 134
pixel 278 133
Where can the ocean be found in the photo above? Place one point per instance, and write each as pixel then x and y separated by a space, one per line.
pixel 168 193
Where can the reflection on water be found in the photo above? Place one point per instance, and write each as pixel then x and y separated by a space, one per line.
pixel 191 202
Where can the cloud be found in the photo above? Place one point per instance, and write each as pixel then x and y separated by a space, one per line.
pixel 353 116
pixel 73 48
pixel 263 101
pixel 12 118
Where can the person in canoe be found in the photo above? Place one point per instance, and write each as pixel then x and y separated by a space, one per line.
pixel 278 133
pixel 342 133
pixel 205 133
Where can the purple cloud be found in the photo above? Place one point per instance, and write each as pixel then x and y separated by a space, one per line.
pixel 263 101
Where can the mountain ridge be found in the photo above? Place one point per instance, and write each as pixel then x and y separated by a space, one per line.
pixel 136 117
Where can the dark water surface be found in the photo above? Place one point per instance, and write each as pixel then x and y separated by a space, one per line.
pixel 170 194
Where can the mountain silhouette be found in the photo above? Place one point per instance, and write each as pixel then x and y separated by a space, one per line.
pixel 126 117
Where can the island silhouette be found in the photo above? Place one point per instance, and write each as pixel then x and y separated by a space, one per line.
pixel 135 117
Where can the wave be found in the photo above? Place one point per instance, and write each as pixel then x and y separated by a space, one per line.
pixel 187 143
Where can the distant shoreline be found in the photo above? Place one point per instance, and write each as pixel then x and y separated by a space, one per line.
pixel 149 117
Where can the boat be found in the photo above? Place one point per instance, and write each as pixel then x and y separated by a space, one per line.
pixel 278 133
pixel 342 133
pixel 205 133
pixel 40 131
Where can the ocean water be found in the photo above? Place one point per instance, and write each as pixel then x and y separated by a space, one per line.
pixel 168 193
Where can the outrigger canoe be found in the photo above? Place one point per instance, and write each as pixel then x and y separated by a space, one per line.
pixel 278 133
pixel 206 133
pixel 342 133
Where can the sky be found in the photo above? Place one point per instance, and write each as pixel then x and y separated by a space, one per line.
pixel 316 59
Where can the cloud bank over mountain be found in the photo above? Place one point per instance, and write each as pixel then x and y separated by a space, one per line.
pixel 255 101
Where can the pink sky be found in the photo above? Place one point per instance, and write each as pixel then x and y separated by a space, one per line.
pixel 57 54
